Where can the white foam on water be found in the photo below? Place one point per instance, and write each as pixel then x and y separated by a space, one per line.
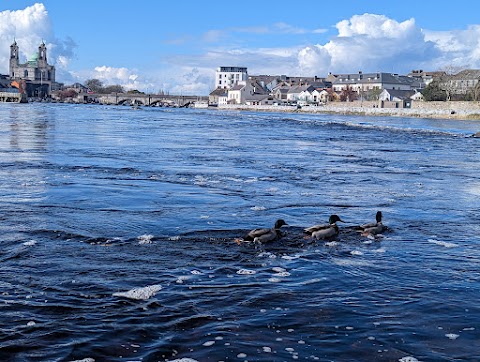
pixel 208 343
pixel 84 360
pixel 452 336
pixel 182 278
pixel 282 274
pixel 274 280
pixel 182 360
pixel 31 324
pixel 145 239
pixel 408 359
pixel 241 355
pixel 469 329
pixel 139 293
pixel 313 281
pixel 290 257
pixel 356 252
pixel 267 254
pixel 442 243
pixel 30 243
pixel 331 243
pixel 381 250
pixel 258 208
pixel 196 272
pixel 278 269
pixel 251 179
pixel 204 217
pixel 267 349
pixel 246 272
pixel 350 262
pixel 174 238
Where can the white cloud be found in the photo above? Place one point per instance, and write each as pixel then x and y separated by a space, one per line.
pixel 460 48
pixel 29 27
pixel 127 78
pixel 371 42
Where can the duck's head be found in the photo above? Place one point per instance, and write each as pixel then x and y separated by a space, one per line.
pixel 279 223
pixel 378 216
pixel 334 218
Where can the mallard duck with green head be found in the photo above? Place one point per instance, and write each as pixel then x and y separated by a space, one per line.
pixel 264 235
pixel 373 228
pixel 325 231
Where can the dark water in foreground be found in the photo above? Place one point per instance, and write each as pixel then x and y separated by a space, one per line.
pixel 96 202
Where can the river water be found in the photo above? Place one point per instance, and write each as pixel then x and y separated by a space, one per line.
pixel 118 228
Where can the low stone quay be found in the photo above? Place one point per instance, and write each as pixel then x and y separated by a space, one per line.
pixel 445 110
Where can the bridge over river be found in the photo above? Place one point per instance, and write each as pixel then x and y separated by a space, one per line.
pixel 144 99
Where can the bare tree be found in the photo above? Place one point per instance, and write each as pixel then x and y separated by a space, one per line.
pixel 447 82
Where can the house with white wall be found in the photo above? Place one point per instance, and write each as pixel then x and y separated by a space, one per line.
pixel 228 77
pixel 245 90
pixel 363 82
pixel 295 92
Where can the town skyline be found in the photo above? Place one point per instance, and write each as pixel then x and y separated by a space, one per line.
pixel 142 48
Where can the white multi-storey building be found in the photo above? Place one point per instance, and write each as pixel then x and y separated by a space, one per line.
pixel 228 77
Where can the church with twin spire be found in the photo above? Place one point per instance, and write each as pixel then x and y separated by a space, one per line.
pixel 36 76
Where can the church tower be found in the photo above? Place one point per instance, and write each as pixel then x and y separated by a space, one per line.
pixel 13 58
pixel 42 55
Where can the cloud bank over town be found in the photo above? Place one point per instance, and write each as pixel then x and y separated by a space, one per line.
pixel 365 42
pixel 29 27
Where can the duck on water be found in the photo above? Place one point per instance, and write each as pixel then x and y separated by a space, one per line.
pixel 375 228
pixel 265 234
pixel 325 231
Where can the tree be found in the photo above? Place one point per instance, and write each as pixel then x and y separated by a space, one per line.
pixel 95 85
pixel 434 92
pixel 348 95
pixel 374 94
pixel 447 82
pixel 135 91
pixel 114 89
pixel 475 92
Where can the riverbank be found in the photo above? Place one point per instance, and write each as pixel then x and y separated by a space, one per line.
pixel 440 110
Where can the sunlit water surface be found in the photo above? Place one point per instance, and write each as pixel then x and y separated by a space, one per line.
pixel 118 227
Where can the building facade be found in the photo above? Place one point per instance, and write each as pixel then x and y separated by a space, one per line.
pixel 228 77
pixel 363 82
pixel 38 75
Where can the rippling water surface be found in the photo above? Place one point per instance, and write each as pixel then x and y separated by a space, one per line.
pixel 118 227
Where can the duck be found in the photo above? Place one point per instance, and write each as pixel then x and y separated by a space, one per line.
pixel 265 234
pixel 373 228
pixel 325 231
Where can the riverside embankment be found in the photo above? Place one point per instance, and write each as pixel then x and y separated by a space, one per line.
pixel 445 110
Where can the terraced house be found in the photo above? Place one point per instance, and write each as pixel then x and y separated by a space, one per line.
pixel 364 82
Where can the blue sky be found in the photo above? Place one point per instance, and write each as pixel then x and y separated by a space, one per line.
pixel 155 45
